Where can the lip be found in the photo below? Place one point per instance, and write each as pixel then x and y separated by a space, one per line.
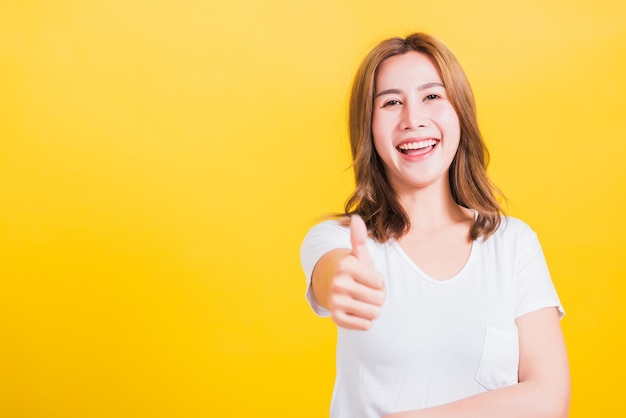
pixel 421 156
pixel 416 139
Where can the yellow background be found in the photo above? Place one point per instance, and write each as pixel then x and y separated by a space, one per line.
pixel 160 162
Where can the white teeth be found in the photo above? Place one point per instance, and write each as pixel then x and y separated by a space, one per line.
pixel 417 145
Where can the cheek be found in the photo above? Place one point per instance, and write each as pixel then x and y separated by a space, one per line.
pixel 450 121
pixel 377 126
pixel 383 151
pixel 378 134
pixel 379 147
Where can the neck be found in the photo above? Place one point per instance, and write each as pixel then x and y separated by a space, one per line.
pixel 432 207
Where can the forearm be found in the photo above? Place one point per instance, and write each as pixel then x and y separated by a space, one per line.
pixel 525 400
pixel 544 388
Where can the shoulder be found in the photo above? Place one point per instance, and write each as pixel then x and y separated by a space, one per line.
pixel 329 228
pixel 513 228
pixel 332 234
pixel 320 239
pixel 513 235
pixel 325 236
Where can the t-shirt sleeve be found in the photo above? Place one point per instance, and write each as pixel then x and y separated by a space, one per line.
pixel 321 239
pixel 535 289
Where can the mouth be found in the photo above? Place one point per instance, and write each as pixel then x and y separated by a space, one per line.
pixel 415 148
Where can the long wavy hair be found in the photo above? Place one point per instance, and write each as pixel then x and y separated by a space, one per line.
pixel 373 198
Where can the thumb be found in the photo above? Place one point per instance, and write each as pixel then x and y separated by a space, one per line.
pixel 358 238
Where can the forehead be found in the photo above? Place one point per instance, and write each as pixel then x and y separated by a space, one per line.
pixel 410 66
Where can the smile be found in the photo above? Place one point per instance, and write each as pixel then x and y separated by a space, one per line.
pixel 417 147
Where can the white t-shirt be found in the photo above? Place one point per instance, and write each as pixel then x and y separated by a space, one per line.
pixel 435 341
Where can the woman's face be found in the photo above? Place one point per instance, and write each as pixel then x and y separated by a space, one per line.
pixel 416 130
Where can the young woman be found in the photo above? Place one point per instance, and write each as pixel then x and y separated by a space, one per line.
pixel 445 307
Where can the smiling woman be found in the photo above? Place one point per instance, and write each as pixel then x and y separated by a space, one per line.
pixel 413 121
pixel 445 306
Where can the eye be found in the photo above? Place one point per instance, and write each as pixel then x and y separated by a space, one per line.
pixel 432 96
pixel 392 102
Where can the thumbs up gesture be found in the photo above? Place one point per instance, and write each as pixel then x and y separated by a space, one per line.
pixel 357 290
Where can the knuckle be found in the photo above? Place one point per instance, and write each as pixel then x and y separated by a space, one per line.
pixel 380 281
pixel 342 266
pixel 334 302
pixel 338 285
pixel 365 325
pixel 339 317
pixel 373 312
pixel 380 299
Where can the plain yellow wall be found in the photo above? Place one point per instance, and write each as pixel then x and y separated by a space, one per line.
pixel 160 162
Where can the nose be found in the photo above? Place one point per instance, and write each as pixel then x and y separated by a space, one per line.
pixel 413 116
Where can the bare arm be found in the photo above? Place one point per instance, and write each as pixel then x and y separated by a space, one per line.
pixel 543 390
pixel 345 282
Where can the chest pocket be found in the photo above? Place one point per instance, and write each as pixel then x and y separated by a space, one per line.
pixel 500 358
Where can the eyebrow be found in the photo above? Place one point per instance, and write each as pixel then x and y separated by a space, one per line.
pixel 420 88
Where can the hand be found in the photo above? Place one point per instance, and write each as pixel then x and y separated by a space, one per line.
pixel 357 290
